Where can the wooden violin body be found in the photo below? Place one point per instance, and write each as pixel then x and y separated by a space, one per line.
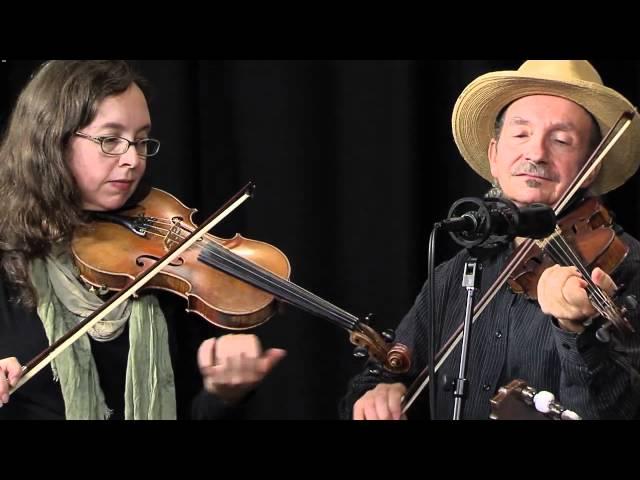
pixel 588 229
pixel 234 283
pixel 112 250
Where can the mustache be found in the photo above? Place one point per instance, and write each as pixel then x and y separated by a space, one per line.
pixel 536 169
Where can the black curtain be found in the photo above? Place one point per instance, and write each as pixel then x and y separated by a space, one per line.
pixel 353 162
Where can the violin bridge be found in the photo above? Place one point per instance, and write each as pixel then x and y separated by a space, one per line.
pixel 542 243
pixel 174 236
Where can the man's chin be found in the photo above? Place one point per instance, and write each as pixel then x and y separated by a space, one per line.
pixel 524 200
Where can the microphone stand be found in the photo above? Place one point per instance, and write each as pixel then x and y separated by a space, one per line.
pixel 470 281
pixel 487 222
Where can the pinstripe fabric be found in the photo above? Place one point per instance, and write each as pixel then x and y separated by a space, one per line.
pixel 514 339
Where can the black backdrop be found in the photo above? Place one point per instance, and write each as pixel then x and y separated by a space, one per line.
pixel 353 162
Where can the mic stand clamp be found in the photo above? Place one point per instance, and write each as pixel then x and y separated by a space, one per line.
pixel 470 281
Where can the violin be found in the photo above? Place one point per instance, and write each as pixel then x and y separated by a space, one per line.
pixel 115 248
pixel 233 283
pixel 589 230
pixel 585 238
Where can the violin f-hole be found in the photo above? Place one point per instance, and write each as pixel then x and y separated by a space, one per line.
pixel 140 261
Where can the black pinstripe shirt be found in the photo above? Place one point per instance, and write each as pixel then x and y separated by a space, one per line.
pixel 512 339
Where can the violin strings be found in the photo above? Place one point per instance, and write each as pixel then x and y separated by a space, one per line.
pixel 289 287
pixel 580 264
pixel 563 257
pixel 597 292
pixel 277 282
pixel 610 309
pixel 283 288
pixel 566 256
pixel 213 252
pixel 262 281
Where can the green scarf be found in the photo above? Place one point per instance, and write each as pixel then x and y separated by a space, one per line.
pixel 62 303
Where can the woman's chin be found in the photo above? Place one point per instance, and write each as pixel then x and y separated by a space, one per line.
pixel 106 205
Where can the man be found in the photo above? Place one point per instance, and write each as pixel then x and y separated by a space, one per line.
pixel 528 132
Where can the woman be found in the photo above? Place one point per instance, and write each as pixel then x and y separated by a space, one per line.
pixel 78 141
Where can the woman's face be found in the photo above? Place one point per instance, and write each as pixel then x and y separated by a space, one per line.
pixel 107 181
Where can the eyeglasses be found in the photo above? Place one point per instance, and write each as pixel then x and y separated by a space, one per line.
pixel 112 145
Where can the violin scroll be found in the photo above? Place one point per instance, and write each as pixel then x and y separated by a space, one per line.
pixel 394 357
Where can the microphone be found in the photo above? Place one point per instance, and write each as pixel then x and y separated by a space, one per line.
pixel 484 220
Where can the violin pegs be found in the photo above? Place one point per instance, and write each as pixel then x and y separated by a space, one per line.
pixel 389 335
pixel 630 303
pixel 619 289
pixel 603 334
pixel 360 352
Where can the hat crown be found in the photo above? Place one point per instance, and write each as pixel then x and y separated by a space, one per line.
pixel 564 70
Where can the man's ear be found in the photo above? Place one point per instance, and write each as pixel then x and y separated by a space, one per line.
pixel 492 154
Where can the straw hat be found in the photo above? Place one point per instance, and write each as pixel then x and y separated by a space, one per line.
pixel 477 108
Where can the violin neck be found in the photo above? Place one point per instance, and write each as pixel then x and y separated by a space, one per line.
pixel 216 256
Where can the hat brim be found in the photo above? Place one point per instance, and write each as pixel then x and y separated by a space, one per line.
pixel 478 106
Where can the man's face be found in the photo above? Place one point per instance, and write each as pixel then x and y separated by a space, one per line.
pixel 544 142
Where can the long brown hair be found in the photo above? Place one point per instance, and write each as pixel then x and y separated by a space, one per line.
pixel 41 201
